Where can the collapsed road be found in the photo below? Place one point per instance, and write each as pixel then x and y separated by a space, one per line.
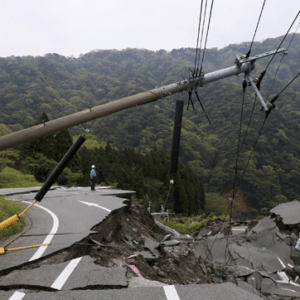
pixel 103 246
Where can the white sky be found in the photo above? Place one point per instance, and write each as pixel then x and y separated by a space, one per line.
pixel 73 27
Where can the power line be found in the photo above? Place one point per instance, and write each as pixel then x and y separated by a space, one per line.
pixel 211 8
pixel 283 40
pixel 281 62
pixel 202 32
pixel 287 85
pixel 248 54
pixel 200 16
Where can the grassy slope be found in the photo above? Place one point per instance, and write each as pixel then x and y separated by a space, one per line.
pixel 11 178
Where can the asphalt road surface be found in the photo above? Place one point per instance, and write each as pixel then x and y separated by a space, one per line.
pixel 63 218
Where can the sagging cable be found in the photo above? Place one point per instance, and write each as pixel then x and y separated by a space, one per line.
pixel 190 92
pixel 3 251
pixel 271 104
pixel 202 106
pixel 170 186
pixel 283 39
pixel 14 218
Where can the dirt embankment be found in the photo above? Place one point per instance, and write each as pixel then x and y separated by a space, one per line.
pixel 135 232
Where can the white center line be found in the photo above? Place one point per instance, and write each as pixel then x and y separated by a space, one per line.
pixel 94 204
pixel 20 295
pixel 171 292
pixel 65 274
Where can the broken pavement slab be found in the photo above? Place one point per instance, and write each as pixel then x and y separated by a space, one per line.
pixel 289 212
pixel 225 291
pixel 265 235
pixel 256 258
pixel 86 275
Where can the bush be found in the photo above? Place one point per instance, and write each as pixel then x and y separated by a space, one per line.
pixel 216 204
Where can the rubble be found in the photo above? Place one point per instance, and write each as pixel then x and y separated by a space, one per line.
pixel 262 260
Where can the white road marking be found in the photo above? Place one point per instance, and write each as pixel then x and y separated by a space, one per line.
pixel 50 236
pixel 286 279
pixel 65 274
pixel 281 262
pixel 289 290
pixel 18 295
pixel 171 292
pixel 94 204
pixel 283 276
pixel 63 277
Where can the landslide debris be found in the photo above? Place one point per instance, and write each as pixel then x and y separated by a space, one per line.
pixel 158 255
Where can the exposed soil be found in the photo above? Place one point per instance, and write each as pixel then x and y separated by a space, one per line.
pixel 175 264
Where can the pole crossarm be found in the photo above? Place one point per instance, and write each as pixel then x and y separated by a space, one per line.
pixel 258 56
pixel 54 126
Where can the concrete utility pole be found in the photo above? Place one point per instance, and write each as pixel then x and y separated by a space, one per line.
pixel 32 133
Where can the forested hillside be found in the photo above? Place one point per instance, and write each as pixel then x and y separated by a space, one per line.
pixel 59 85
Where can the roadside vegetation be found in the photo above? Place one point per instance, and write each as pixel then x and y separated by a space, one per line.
pixel 216 207
pixel 11 178
pixel 8 209
pixel 186 225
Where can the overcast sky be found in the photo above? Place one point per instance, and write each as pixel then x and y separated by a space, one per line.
pixel 73 27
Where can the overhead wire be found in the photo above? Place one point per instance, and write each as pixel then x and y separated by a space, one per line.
pixel 239 146
pixel 239 139
pixel 264 121
pixel 239 134
pixel 287 86
pixel 249 122
pixel 249 52
pixel 211 8
pixel 202 32
pixel 258 86
pixel 282 40
pixel 200 17
pixel 278 67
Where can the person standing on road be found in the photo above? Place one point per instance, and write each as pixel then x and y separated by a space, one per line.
pixel 93 177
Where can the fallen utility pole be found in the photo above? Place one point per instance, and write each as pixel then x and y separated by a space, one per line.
pixel 53 126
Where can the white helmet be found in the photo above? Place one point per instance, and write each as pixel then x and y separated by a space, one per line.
pixel 93 167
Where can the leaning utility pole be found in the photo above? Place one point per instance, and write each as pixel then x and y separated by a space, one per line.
pixel 242 65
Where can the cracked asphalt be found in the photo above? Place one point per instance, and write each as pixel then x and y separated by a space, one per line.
pixel 63 270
